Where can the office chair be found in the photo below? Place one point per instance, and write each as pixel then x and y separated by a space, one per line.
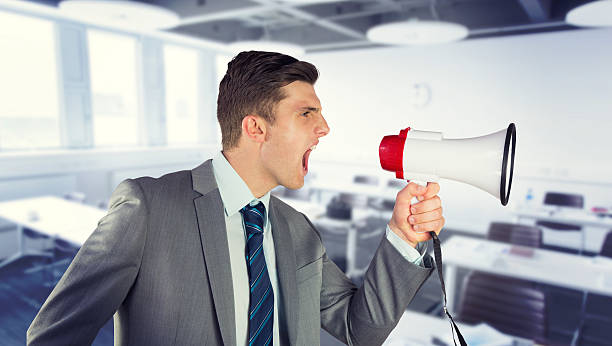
pixel 334 229
pixel 509 305
pixel 562 200
pixel 515 234
pixel 365 179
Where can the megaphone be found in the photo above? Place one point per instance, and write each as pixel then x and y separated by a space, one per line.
pixel 486 162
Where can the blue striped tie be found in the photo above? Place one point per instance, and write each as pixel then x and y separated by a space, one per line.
pixel 261 302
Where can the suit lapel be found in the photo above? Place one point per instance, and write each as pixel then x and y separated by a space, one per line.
pixel 286 267
pixel 213 235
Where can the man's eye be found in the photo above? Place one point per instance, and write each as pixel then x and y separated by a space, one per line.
pixel 305 114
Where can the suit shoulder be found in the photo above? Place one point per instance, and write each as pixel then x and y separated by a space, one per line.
pixel 172 178
pixel 166 187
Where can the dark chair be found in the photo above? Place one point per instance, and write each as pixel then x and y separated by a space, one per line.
pixel 365 179
pixel 512 306
pixel 515 234
pixel 334 230
pixel 563 200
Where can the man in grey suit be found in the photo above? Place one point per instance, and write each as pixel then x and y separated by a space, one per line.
pixel 208 257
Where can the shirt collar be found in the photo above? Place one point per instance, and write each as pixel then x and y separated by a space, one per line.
pixel 235 193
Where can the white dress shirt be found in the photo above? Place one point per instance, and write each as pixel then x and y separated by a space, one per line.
pixel 235 194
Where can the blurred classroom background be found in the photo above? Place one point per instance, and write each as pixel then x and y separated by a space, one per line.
pixel 86 104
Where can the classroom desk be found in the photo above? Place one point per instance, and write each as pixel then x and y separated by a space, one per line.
pixel 594 228
pixel 593 274
pixel 576 217
pixel 50 215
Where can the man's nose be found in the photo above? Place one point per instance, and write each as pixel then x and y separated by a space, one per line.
pixel 322 128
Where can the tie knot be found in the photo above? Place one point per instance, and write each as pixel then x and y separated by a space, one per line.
pixel 254 217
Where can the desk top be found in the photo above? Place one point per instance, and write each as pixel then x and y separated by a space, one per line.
pixel 577 217
pixel 54 216
pixel 552 267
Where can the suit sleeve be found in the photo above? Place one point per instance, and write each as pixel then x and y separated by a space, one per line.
pixel 367 315
pixel 100 276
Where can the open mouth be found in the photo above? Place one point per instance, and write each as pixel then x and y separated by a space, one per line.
pixel 305 159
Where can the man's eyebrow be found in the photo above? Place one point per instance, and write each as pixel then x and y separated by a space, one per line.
pixel 312 109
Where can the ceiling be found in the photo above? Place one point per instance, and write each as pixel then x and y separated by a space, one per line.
pixel 332 25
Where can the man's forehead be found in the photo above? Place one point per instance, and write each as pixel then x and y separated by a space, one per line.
pixel 300 95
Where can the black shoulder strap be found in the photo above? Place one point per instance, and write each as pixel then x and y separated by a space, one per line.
pixel 438 258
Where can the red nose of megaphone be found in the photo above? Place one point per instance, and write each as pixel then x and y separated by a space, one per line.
pixel 390 152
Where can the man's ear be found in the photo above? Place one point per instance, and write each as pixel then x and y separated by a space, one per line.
pixel 254 128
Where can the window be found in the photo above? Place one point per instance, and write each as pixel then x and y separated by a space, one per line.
pixel 29 110
pixel 181 72
pixel 113 87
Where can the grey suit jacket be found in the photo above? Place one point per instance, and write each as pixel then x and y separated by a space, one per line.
pixel 159 262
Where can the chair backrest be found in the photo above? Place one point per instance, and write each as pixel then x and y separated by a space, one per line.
pixel 606 248
pixel 511 306
pixel 354 200
pixel 562 199
pixel 338 209
pixel 515 234
pixel 558 226
pixel 365 179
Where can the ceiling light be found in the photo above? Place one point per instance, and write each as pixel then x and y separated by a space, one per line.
pixel 267 46
pixel 131 14
pixel 596 13
pixel 417 32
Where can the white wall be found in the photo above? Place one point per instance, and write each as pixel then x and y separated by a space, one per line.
pixel 556 87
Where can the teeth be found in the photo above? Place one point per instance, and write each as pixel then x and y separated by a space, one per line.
pixel 313 147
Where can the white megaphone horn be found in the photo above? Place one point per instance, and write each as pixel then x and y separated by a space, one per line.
pixel 486 162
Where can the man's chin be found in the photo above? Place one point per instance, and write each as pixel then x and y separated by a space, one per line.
pixel 294 185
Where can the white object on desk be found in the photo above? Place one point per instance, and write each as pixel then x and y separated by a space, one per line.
pixel 551 267
pixel 51 215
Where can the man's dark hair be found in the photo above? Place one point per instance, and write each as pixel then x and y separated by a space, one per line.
pixel 252 85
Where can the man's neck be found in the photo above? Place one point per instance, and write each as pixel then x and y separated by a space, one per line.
pixel 247 166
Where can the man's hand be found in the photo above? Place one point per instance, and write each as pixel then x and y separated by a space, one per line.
pixel 424 216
